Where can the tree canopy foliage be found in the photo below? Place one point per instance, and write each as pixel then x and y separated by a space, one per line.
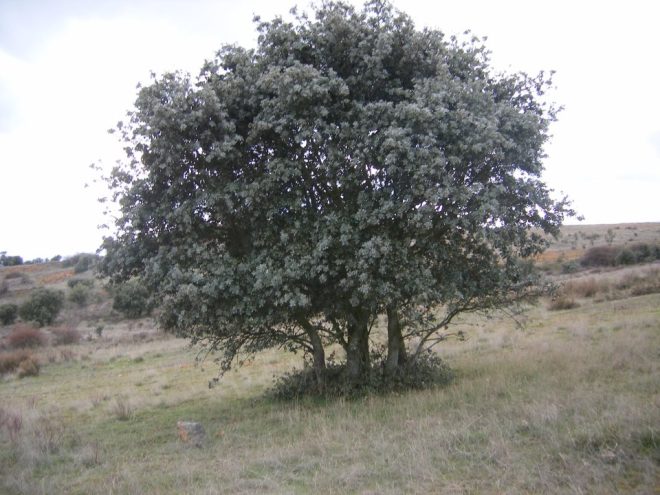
pixel 350 166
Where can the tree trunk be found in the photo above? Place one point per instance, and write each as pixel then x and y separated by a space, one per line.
pixel 357 353
pixel 396 347
pixel 318 352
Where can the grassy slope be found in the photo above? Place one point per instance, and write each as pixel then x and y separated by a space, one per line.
pixel 568 405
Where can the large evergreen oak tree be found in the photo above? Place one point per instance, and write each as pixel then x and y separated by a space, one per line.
pixel 350 166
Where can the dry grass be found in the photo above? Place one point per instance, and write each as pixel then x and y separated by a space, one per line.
pixel 576 240
pixel 64 335
pixel 611 285
pixel 568 405
pixel 54 278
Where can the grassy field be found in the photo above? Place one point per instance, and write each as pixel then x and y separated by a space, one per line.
pixel 568 404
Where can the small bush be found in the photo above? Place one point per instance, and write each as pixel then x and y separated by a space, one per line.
pixel 4 287
pixel 74 282
pixel 11 360
pixel 562 302
pixel 427 371
pixel 65 335
pixel 28 367
pixel 24 336
pixel 626 257
pixel 645 253
pixel 600 256
pixel 8 313
pixel 570 267
pixel 132 300
pixel 79 295
pixel 43 306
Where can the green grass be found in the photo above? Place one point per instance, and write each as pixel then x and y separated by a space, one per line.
pixel 568 405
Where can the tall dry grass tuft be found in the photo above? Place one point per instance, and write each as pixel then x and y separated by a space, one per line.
pixel 11 360
pixel 122 409
pixel 11 423
pixel 35 437
pixel 29 367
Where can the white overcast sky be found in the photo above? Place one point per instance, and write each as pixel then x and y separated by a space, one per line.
pixel 68 71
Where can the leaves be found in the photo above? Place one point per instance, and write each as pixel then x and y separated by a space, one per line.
pixel 347 164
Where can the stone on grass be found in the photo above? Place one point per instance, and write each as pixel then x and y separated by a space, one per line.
pixel 191 432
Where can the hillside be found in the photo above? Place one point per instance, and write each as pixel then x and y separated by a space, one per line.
pixel 567 403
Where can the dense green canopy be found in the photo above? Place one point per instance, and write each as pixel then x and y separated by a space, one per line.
pixel 349 166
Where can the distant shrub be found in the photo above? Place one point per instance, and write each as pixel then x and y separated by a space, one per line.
pixel 562 302
pixel 80 262
pixel 645 253
pixel 65 335
pixel 70 261
pixel 86 282
pixel 28 367
pixel 4 287
pixel 11 360
pixel 83 264
pixel 639 253
pixel 570 267
pixel 626 257
pixel 43 306
pixel 24 336
pixel 132 300
pixel 8 313
pixel 600 256
pixel 79 294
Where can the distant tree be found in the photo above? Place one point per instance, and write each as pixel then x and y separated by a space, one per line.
pixel 43 306
pixel 80 262
pixel 10 260
pixel 35 261
pixel 350 166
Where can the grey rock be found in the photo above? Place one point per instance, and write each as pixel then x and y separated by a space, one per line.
pixel 191 432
